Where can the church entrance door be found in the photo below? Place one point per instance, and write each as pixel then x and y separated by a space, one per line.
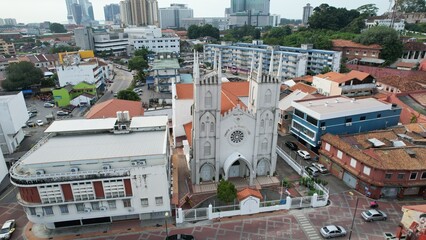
pixel 206 172
pixel 234 170
pixel 262 167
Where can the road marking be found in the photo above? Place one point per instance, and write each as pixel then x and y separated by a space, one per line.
pixel 306 225
pixel 11 190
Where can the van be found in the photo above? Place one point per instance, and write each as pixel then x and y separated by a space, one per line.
pixel 312 171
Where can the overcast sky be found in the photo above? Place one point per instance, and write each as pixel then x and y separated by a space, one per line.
pixel 26 11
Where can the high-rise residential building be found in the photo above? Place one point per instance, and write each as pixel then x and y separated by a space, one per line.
pixel 144 12
pixel 171 17
pixel 84 38
pixel 10 21
pixel 112 13
pixel 126 13
pixel 249 12
pixel 152 13
pixel 87 10
pixel 70 15
pixel 307 12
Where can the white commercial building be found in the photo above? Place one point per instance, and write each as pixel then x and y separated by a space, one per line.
pixel 397 24
pixel 115 43
pixel 75 70
pixel 13 115
pixel 90 171
pixel 152 38
pixel 171 17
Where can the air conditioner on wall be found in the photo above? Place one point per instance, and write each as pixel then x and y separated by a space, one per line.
pixel 74 169
pixel 39 214
pixel 323 128
pixel 87 210
pixel 106 167
pixel 134 163
pixel 39 172
pixel 103 208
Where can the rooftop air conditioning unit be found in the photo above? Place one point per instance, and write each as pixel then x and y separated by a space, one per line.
pixel 134 163
pixel 87 210
pixel 123 127
pixel 39 172
pixel 106 167
pixel 323 128
pixel 103 208
pixel 74 169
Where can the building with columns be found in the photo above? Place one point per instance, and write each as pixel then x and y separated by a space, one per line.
pixel 234 137
pixel 414 51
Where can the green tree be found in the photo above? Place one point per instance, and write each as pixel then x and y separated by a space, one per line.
pixel 21 75
pixel 326 70
pixel 386 37
pixel 368 9
pixel 226 191
pixel 195 31
pixel 143 52
pixel 128 95
pixel 410 6
pixel 57 28
pixel 137 63
pixel 329 17
pixel 198 47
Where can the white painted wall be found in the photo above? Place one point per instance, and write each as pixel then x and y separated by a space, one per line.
pixel 80 99
pixel 13 115
pixel 3 168
pixel 181 115
pixel 75 74
pixel 326 87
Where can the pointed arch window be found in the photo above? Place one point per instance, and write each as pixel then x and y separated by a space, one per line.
pixel 203 127
pixel 207 149
pixel 208 100
pixel 212 127
pixel 268 96
pixel 264 146
pixel 270 122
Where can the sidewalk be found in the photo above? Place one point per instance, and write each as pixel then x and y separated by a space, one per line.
pixel 39 232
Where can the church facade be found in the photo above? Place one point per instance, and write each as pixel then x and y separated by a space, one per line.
pixel 232 137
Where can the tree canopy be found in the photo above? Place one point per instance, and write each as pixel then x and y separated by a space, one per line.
pixel 59 49
pixel 329 17
pixel 245 33
pixel 21 75
pixel 128 95
pixel 195 31
pixel 226 191
pixel 368 9
pixel 410 6
pixel 386 37
pixel 143 52
pixel 57 28
pixel 137 63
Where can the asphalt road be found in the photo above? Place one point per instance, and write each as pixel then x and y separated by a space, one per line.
pixel 122 80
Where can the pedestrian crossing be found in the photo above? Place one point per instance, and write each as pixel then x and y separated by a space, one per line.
pixel 307 227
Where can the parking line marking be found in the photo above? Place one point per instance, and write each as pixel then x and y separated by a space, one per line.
pixel 11 190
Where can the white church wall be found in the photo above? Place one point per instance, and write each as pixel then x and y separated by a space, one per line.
pixel 181 115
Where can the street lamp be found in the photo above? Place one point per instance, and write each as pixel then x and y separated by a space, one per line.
pixel 353 218
pixel 166 215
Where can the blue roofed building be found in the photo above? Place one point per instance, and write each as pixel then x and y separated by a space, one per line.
pixel 313 118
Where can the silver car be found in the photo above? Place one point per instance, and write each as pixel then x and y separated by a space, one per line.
pixel 374 215
pixel 332 231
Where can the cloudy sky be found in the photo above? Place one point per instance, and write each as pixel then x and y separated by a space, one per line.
pixel 26 11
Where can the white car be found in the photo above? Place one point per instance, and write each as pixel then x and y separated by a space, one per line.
pixel 7 229
pixel 332 231
pixel 48 105
pixel 321 168
pixel 304 154
pixel 40 122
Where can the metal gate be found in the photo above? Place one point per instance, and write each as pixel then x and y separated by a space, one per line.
pixel 196 214
pixel 301 202
pixel 350 180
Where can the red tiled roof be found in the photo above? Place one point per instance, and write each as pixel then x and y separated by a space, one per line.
pixel 111 107
pixel 406 65
pixel 377 72
pixel 347 43
pixel 188 132
pixel 340 78
pixel 231 91
pixel 414 46
pixel 247 192
pixel 418 208
pixel 303 87
pixel 306 78
pixel 422 66
pixel 403 84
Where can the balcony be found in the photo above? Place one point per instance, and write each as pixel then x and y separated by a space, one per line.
pixel 25 178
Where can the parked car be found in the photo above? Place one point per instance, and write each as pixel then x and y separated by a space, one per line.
pixel 374 215
pixel 61 113
pixel 312 171
pixel 332 231
pixel 293 146
pixel 48 105
pixel 321 168
pixel 40 122
pixel 33 110
pixel 31 124
pixel 304 154
pixel 7 229
pixel 31 115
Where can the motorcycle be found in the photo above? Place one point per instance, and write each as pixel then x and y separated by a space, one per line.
pixel 374 205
